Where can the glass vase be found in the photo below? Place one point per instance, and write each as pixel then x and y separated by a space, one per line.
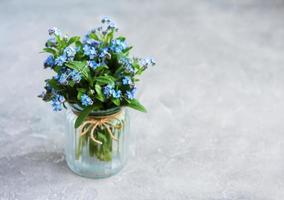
pixel 100 146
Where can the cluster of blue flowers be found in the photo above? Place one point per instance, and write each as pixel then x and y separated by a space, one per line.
pixel 54 32
pixel 68 55
pixel 147 62
pixel 57 102
pixel 110 91
pixel 67 76
pixel 102 55
pixel 116 94
pixel 127 64
pixel 93 50
pixel 109 25
pixel 131 94
pixel 49 62
pixel 93 64
pixel 86 100
pixel 126 80
pixel 51 42
pixel 90 51
pixel 76 76
pixel 117 45
pixel 90 41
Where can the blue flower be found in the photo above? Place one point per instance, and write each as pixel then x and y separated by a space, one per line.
pixel 100 28
pixel 90 51
pixel 124 61
pixel 57 102
pixel 117 46
pixel 131 94
pixel 62 79
pixel 146 62
pixel 93 64
pixel 54 31
pixel 76 76
pixel 86 100
pixel 152 61
pixel 112 25
pixel 104 53
pixel 89 41
pixel 105 20
pixel 42 94
pixel 49 62
pixel 47 86
pixel 116 94
pixel 56 77
pixel 56 105
pixel 129 69
pixel 70 52
pixel 60 60
pixel 127 65
pixel 51 42
pixel 126 80
pixel 93 43
pixel 108 90
pixel 86 49
pixel 59 98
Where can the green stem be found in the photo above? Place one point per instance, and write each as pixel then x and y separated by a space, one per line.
pixel 79 148
pixel 102 151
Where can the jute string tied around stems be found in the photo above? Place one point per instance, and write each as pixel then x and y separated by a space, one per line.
pixel 93 122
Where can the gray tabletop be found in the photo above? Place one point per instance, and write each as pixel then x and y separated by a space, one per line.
pixel 214 128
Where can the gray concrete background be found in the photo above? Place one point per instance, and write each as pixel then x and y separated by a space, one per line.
pixel 214 130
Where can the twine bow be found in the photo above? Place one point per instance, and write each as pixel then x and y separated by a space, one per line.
pixel 94 122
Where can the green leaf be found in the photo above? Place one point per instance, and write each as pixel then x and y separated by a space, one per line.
pixel 82 116
pixel 73 39
pixel 79 95
pixel 57 69
pixel 100 95
pixel 119 70
pixel 98 105
pixel 79 46
pixel 102 137
pixel 71 83
pixel 108 37
pixel 105 80
pixel 121 38
pixel 50 50
pixel 94 36
pixel 78 65
pixel 136 105
pixel 81 91
pixel 116 102
pixel 125 51
pixel 54 84
pixel 47 97
pixel 139 72
pixel 82 68
pixel 61 44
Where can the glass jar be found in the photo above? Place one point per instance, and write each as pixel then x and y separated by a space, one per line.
pixel 100 146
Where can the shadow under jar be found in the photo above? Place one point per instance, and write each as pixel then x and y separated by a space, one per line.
pixel 99 147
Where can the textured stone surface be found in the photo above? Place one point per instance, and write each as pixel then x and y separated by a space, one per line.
pixel 214 130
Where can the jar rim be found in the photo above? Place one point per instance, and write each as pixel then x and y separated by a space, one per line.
pixel 109 111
